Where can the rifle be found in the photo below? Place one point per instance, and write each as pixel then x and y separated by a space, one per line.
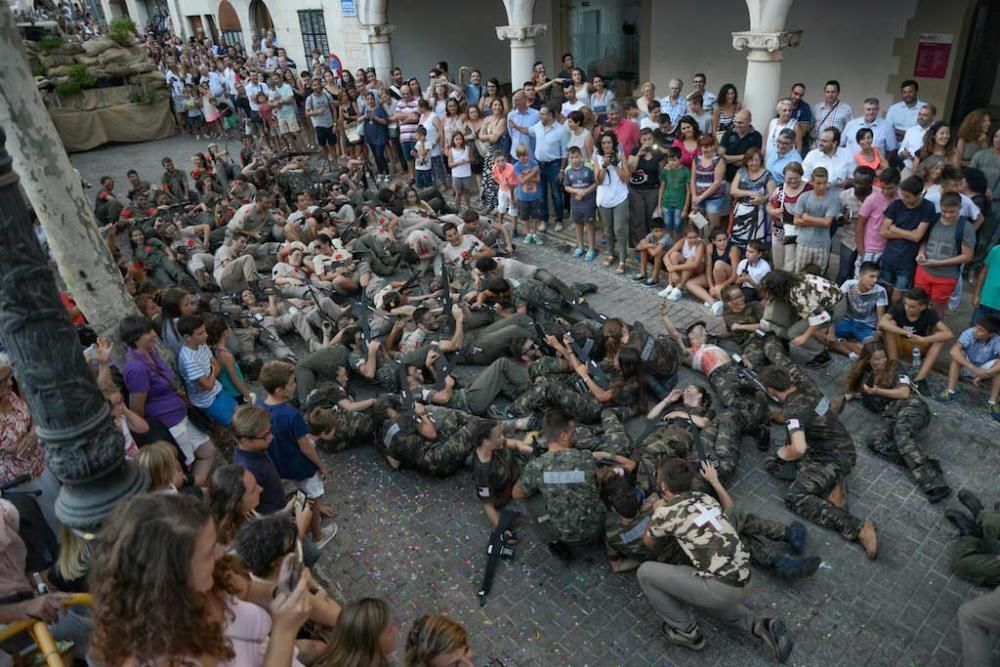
pixel 410 283
pixel 361 312
pixel 582 353
pixel 750 376
pixel 404 387
pixel 699 447
pixel 449 318
pixel 495 550
pixel 442 369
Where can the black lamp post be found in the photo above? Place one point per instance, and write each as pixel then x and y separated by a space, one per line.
pixel 84 448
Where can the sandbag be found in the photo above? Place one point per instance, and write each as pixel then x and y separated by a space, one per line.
pixel 56 60
pixel 115 55
pixel 96 47
pixel 89 61
pixel 70 49
pixel 61 70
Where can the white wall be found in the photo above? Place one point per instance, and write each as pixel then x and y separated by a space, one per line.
pixel 868 46
pixel 463 33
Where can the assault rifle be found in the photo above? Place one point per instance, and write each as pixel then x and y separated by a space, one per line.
pixel 441 368
pixel 404 388
pixel 582 352
pixel 747 374
pixel 449 317
pixel 497 548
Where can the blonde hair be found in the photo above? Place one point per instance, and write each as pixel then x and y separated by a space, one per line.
pixel 521 150
pixel 160 461
pixel 431 636
pixel 249 421
pixel 74 555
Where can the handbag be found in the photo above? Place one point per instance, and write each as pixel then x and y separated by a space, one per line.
pixel 353 132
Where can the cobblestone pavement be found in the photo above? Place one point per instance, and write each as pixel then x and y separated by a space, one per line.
pixel 419 542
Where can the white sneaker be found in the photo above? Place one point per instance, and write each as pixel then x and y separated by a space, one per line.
pixel 666 292
pixel 675 295
pixel 329 532
pixel 717 308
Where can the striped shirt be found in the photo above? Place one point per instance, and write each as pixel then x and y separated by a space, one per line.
pixel 194 365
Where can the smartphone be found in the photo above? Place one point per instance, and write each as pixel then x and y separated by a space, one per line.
pixel 90 352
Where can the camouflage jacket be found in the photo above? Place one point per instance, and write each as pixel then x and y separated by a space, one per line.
pixel 567 480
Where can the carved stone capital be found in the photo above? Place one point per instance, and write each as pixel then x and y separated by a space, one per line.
pixel 766 41
pixel 380 32
pixel 521 33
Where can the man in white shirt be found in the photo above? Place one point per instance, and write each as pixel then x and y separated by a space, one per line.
pixel 829 155
pixel 903 114
pixel 884 137
pixel 253 88
pixel 913 138
pixel 652 119
pixel 570 103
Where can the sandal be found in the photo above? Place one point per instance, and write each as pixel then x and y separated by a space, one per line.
pixel 621 269
pixel 608 261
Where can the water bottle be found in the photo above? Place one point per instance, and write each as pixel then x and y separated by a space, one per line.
pixel 915 361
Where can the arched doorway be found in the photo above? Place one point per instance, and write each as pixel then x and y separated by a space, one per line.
pixel 231 32
pixel 260 17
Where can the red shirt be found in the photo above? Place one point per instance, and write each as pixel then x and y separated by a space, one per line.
pixel 627 133
pixel 70 304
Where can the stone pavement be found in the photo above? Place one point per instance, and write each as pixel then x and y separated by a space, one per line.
pixel 419 542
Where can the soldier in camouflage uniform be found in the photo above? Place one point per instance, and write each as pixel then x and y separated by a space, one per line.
pixel 566 478
pixel 336 430
pixel 902 415
pixel 503 376
pixel 660 357
pixel 718 577
pixel 742 319
pixel 549 392
pixel 976 555
pixel 823 454
pixel 434 440
pixel 318 366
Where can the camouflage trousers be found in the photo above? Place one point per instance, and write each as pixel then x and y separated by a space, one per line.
pixel 503 376
pixel 352 429
pixel 975 558
pixel 666 442
pixel 721 438
pixel 447 453
pixel 749 406
pixel 549 393
pixel 381 261
pixel 760 350
pixel 316 367
pixel 814 480
pixel 895 438
pixel 763 537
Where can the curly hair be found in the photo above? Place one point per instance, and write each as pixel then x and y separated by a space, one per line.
pixel 856 373
pixel 143 606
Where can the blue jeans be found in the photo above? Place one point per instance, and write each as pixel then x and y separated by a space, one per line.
pixel 551 189
pixel 405 148
pixel 895 278
pixel 672 220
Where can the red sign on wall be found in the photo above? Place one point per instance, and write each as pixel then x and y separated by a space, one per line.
pixel 933 51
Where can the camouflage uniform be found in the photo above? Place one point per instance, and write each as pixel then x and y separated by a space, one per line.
pixel 317 366
pixel 748 404
pixel 752 314
pixel 494 479
pixel 895 436
pixel 623 536
pixel 378 257
pixel 976 559
pixel 386 375
pixel 829 458
pixel 551 367
pixel 764 538
pixel 566 479
pixel 719 575
pixel 549 392
pixel 672 440
pixel 486 345
pixel 442 456
pixel 534 294
pixel 660 359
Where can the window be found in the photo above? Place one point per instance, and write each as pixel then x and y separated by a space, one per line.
pixel 313 31
pixel 232 38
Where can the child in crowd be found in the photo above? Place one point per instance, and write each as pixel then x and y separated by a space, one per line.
pixel 651 249
pixel 422 159
pixel 976 357
pixel 910 324
pixel 683 262
pixel 195 119
pixel 127 421
pixel 292 448
pixel 506 180
pixel 580 183
pixel 159 459
pixel 268 120
pixel 752 269
pixel 903 226
pixel 866 304
pixel 200 371
pixel 948 245
pixel 529 195
pixel 460 163
pixel 675 195
pixel 867 230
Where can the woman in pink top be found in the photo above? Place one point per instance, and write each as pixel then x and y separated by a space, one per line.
pixel 869 155
pixel 687 139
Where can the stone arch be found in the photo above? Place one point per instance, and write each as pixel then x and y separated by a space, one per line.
pixel 260 17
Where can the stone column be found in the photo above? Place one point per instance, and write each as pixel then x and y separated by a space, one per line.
pixel 522 50
pixel 380 49
pixel 763 83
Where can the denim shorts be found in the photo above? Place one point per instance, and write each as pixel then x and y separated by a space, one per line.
pixel 714 206
pixel 853 330
pixel 895 278
pixel 424 178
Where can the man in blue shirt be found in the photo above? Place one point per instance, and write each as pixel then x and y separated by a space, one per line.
pixel 785 153
pixel 519 123
pixel 802 113
pixel 551 146
pixel 474 89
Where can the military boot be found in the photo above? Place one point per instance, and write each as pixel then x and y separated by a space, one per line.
pixel 971 502
pixel 965 525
